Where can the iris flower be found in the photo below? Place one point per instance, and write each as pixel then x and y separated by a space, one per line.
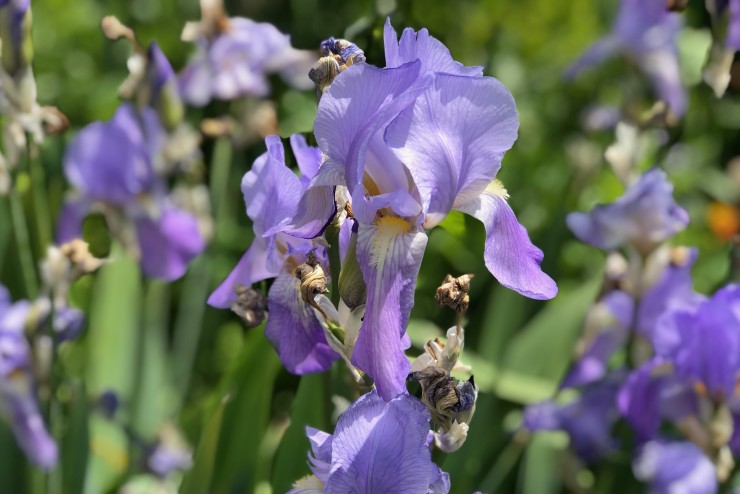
pixel 410 143
pixel 271 192
pixel 377 446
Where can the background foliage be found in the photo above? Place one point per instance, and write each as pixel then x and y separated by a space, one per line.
pixel 170 357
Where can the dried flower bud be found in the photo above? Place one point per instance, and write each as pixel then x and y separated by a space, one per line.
pixel 453 292
pixel 676 5
pixel 448 399
pixel 114 29
pixel 77 251
pixel 323 73
pixel 313 279
pixel 53 120
pixel 250 305
pixel 338 54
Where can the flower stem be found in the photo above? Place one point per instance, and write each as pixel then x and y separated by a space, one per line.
pixel 23 243
pixel 42 216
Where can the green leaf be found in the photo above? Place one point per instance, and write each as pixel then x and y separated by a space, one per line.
pixel 544 347
pixel 199 478
pixel 76 444
pixel 542 463
pixel 309 408
pixel 113 350
pixel 246 419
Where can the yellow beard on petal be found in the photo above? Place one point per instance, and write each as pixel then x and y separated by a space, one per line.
pixel 388 228
pixel 496 188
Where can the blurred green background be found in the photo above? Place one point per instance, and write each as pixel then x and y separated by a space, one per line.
pixel 172 358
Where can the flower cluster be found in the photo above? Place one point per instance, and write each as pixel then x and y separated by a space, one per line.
pixel 654 352
pixel 399 148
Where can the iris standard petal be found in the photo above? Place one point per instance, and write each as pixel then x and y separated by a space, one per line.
pixel 509 254
pixel 389 254
pixel 381 447
pixel 293 329
pixel 452 139
pixel 359 102
pixel 168 243
pixel 112 161
pixel 308 157
pixel 432 53
pixel 271 190
pixel 69 224
pixel 639 400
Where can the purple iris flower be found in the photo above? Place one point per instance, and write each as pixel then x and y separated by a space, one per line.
pixel 14 28
pixel 18 404
pixel 271 193
pixel 377 446
pixel 111 164
pixel 651 394
pixel 703 343
pixel 410 143
pixel 588 420
pixel 731 8
pixel 236 62
pixel 645 31
pixel 645 216
pixel 610 322
pixel 672 467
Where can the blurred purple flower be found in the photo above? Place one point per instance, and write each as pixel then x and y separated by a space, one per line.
pixel 15 31
pixel 112 164
pixel 588 420
pixel 645 216
pixel 411 143
pixel 610 321
pixel 377 446
pixel 645 31
pixel 271 193
pixel 672 467
pixel 730 8
pixel 651 394
pixel 236 61
pixel 18 404
pixel 703 343
pixel 162 84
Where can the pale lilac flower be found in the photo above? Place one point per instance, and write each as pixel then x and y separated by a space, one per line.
pixel 377 446
pixel 18 404
pixel 645 216
pixel 411 143
pixel 271 193
pixel 645 31
pixel 703 342
pixel 673 467
pixel 236 62
pixel 588 420
pixel 112 167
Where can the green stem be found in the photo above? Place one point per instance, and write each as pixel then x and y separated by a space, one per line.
pixel 23 244
pixel 335 264
pixel 42 216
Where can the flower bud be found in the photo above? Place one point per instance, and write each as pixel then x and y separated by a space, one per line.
pixel 15 31
pixel 453 292
pixel 250 305
pixel 352 288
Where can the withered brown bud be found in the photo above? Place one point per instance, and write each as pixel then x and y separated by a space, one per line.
pixel 453 292
pixel 250 305
pixel 447 399
pixel 54 121
pixel 323 73
pixel 78 253
pixel 313 279
pixel 676 5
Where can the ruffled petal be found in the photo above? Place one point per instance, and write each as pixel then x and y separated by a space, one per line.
pixel 433 54
pixel 509 254
pixel 389 254
pixel 381 447
pixel 271 190
pixel 452 140
pixel 293 329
